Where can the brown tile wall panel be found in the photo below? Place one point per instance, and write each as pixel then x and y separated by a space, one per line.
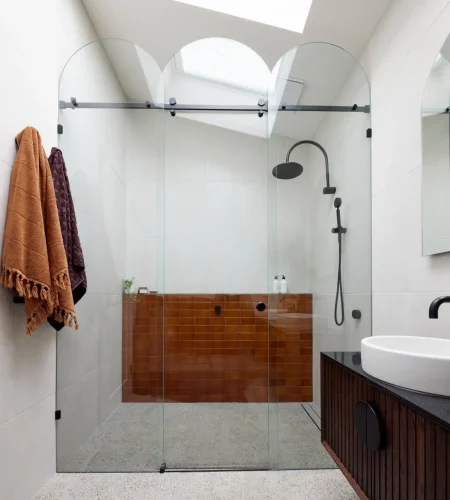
pixel 231 356
pixel 142 344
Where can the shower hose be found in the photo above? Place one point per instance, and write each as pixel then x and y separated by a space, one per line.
pixel 339 293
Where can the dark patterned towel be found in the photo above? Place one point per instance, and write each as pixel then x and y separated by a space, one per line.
pixel 69 228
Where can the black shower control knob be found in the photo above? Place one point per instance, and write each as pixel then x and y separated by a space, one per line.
pixel 260 306
pixel 356 314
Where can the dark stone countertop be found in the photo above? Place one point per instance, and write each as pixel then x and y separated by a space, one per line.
pixel 435 408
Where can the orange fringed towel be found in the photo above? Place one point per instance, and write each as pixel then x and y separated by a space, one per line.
pixel 34 260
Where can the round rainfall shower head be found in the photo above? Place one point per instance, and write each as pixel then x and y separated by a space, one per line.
pixel 288 170
pixel 337 202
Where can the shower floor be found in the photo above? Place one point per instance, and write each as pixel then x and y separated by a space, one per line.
pixel 202 436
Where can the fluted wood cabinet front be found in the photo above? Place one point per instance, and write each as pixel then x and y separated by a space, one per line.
pixel 414 460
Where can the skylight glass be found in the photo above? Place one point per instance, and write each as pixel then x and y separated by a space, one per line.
pixel 227 62
pixel 285 14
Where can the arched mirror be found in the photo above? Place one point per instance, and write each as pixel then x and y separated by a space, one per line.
pixel 436 156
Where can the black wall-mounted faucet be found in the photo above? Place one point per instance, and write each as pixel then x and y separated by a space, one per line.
pixel 435 305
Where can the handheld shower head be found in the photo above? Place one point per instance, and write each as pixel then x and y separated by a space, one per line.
pixel 337 202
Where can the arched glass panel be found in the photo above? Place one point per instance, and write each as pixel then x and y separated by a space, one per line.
pixel 109 372
pixel 216 349
pixel 319 101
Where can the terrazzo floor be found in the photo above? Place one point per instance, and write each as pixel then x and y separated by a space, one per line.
pixel 279 485
pixel 202 436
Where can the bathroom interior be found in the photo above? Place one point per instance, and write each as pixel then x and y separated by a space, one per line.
pixel 266 248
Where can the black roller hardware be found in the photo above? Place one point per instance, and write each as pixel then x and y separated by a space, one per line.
pixel 217 309
pixel 260 306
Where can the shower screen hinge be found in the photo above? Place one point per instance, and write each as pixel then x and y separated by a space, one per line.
pixel 163 467
pixel 60 129
pixel 58 415
pixel 369 133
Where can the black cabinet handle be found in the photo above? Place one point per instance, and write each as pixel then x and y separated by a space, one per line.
pixel 217 309
pixel 260 306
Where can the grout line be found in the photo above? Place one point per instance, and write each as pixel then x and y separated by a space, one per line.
pixel 53 395
pixel 6 163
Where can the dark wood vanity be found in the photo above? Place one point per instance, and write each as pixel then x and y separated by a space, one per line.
pixel 413 460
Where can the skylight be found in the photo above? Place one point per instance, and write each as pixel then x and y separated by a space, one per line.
pixel 227 62
pixel 285 14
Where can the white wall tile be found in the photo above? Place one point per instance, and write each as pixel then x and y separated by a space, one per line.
pixel 110 328
pixel 407 314
pixel 80 405
pixel 27 364
pixel 142 209
pixel 78 352
pixel 186 270
pixel 142 262
pixel 27 442
pixel 110 385
pixel 185 209
pixel 209 219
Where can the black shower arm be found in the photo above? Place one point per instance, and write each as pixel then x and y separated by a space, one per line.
pixel 314 143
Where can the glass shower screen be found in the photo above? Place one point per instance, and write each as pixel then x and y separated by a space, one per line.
pixel 216 260
pixel 211 281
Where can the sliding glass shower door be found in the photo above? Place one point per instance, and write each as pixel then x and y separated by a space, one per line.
pixel 216 349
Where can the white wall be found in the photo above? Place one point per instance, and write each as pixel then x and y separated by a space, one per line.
pixel 343 135
pixel 36 39
pixel 398 59
pixel 198 202
pixel 145 198
pixel 89 361
pixel 290 203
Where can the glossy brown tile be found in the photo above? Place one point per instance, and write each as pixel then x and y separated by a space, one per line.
pixel 224 356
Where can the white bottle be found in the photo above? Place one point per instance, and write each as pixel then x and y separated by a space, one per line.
pixel 283 284
pixel 276 285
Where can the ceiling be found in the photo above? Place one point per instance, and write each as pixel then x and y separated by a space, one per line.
pixel 163 27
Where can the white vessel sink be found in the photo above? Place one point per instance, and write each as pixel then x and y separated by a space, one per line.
pixel 416 363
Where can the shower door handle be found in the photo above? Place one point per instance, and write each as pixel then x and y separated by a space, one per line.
pixel 260 306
